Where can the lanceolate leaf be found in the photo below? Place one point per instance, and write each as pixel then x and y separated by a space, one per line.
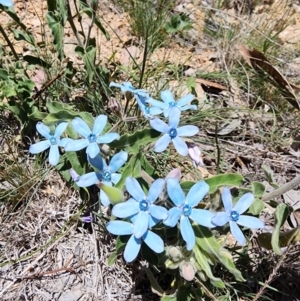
pixel 207 242
pixel 223 180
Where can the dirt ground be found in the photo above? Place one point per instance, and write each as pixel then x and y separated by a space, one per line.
pixel 42 256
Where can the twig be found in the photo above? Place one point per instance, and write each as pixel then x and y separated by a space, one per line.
pixel 281 190
pixel 206 291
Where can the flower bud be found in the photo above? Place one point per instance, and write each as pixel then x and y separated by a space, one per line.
pixel 195 154
pixel 175 174
pixel 114 106
pixel 74 175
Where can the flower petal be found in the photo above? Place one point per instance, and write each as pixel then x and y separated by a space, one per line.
pixel 175 192
pixel 158 212
pixel 155 190
pixel 187 232
pixel 180 146
pixel 134 189
pixel 167 96
pixel 99 124
pixel 173 217
pixel 115 178
pixel 107 138
pixel 159 125
pixel 174 117
pixel 187 131
pixel 153 241
pixel 250 222
pixel 227 199
pixel 185 100
pixel 162 143
pixel 97 162
pixel 117 161
pixel 188 107
pixel 244 203
pixel 156 103
pixel 132 248
pixel 76 145
pixel 237 233
pixel 103 198
pixel 62 142
pixel 43 130
pixel 81 127
pixel 7 3
pixel 197 193
pixel 88 179
pixel 119 228
pixel 155 111
pixel 202 217
pixel 39 147
pixel 220 219
pixel 167 112
pixel 140 226
pixel 92 150
pixel 60 129
pixel 126 209
pixel 54 155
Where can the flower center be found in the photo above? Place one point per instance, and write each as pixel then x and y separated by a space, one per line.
pixel 91 138
pixel 234 215
pixel 172 104
pixel 144 205
pixel 172 133
pixel 106 176
pixel 52 140
pixel 186 210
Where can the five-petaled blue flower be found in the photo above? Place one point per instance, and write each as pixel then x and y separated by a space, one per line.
pixel 172 133
pixel 185 210
pixel 234 217
pixel 91 138
pixel 105 174
pixel 169 102
pixel 133 245
pixel 141 206
pixel 141 97
pixel 6 2
pixel 53 141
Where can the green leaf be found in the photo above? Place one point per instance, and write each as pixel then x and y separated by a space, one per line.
pixel 228 179
pixel 57 29
pixel 285 238
pixel 23 36
pixel 155 287
pixel 114 194
pixel 281 215
pixel 268 173
pixel 59 116
pixel 147 167
pixel 112 258
pixel 37 114
pixel 256 207
pixel 3 74
pixel 88 56
pixel 169 298
pixel 203 262
pixel 258 189
pixel 187 185
pixel 208 243
pixel 133 143
pixel 132 169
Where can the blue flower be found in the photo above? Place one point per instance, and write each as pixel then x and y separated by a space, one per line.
pixel 172 133
pixel 91 138
pixel 169 102
pixel 141 97
pixel 6 2
pixel 133 245
pixel 53 141
pixel 185 210
pixel 142 206
pixel 105 174
pixel 234 217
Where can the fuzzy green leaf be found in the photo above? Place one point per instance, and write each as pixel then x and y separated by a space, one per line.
pixel 218 181
pixel 258 189
pixel 155 287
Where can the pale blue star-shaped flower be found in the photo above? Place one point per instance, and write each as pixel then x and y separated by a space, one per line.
pixel 6 2
pixel 141 205
pixel 233 215
pixel 184 210
pixel 53 141
pixel 106 173
pixel 91 138
pixel 133 245
pixel 141 97
pixel 173 133
pixel 169 102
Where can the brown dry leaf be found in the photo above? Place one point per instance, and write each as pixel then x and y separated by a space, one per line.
pixel 210 84
pixel 258 61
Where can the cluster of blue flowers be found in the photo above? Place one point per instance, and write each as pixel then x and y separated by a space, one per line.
pixel 140 211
